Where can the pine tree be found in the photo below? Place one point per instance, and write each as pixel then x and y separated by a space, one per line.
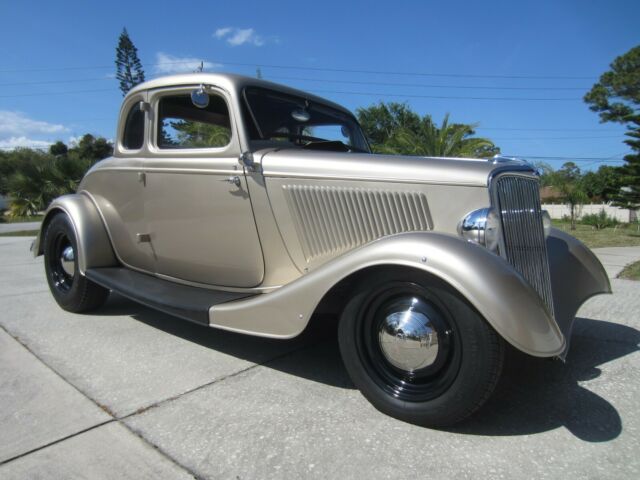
pixel 128 67
pixel 616 97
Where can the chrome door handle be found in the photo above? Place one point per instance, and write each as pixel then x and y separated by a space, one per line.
pixel 234 180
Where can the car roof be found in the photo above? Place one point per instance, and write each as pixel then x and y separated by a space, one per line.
pixel 228 81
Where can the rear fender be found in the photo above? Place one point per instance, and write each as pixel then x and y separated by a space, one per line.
pixel 94 246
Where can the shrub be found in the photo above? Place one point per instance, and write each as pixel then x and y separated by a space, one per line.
pixel 599 220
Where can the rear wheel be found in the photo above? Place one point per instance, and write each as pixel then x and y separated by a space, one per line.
pixel 71 290
pixel 417 350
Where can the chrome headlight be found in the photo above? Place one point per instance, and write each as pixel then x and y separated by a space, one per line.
pixel 482 227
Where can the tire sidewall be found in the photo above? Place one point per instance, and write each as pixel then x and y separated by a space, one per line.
pixel 60 224
pixel 473 333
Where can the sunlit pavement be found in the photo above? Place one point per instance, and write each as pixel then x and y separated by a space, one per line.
pixel 615 259
pixel 127 392
pixel 19 227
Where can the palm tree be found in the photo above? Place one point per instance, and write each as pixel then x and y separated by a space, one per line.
pixel 448 140
pixel 40 178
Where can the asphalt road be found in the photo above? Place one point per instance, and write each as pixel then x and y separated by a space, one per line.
pixel 127 392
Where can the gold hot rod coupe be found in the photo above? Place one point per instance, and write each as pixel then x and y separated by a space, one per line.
pixel 249 206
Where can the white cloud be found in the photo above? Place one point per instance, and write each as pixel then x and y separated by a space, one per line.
pixel 17 124
pixel 22 141
pixel 222 32
pixel 166 64
pixel 74 140
pixel 241 36
pixel 18 130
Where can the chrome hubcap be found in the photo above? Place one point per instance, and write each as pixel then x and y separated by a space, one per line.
pixel 408 339
pixel 67 261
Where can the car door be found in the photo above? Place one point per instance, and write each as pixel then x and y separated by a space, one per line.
pixel 117 187
pixel 197 203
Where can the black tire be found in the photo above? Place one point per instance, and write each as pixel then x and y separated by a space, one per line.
pixel 72 291
pixel 452 386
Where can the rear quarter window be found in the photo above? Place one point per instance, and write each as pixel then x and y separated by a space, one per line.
pixel 133 134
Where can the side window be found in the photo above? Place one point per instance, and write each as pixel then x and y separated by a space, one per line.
pixel 133 136
pixel 183 125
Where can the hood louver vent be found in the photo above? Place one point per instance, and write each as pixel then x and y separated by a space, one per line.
pixel 331 220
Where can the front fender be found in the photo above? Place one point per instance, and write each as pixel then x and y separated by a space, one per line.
pixel 489 283
pixel 94 246
pixel 576 276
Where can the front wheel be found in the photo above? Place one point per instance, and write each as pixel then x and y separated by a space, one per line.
pixel 417 350
pixel 71 290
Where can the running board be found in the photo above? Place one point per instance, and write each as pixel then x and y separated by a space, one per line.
pixel 189 303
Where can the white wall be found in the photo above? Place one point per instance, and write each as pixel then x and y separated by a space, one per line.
pixel 620 214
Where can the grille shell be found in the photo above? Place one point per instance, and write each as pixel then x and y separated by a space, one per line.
pixel 517 200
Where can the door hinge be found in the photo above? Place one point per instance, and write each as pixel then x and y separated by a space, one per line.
pixel 142 178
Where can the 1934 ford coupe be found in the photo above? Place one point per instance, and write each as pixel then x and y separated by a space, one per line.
pixel 248 206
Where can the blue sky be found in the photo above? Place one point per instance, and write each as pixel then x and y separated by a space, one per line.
pixel 49 50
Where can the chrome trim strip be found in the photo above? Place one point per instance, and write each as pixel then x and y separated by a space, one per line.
pixel 199 171
pixel 308 176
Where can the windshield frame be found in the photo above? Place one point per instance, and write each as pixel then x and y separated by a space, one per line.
pixel 310 101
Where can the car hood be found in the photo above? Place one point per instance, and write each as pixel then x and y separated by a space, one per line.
pixel 393 168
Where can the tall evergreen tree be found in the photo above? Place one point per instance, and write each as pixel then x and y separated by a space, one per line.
pixel 128 67
pixel 616 97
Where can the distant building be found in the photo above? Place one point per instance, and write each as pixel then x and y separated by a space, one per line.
pixel 549 194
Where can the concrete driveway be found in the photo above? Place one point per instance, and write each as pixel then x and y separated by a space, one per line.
pixel 19 227
pixel 615 259
pixel 131 393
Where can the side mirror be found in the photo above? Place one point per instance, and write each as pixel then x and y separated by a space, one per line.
pixel 200 98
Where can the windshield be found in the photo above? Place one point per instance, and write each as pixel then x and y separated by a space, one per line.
pixel 293 121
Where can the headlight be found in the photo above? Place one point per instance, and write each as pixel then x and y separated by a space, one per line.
pixel 482 227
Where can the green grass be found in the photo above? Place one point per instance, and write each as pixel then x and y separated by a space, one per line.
pixel 20 233
pixel 631 271
pixel 8 219
pixel 622 236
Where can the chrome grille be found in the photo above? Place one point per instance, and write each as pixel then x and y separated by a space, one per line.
pixel 517 199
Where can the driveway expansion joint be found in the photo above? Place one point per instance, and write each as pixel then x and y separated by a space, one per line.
pixel 59 440
pixel 120 419
pixel 21 294
pixel 102 407
pixel 214 382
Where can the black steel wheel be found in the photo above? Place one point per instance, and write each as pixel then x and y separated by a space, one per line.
pixel 417 350
pixel 71 290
